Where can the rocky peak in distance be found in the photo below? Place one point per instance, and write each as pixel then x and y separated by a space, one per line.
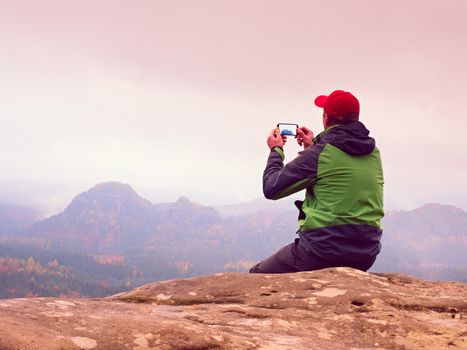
pixel 108 217
pixel 107 198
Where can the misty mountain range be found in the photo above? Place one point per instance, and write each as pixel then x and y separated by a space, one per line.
pixel 112 235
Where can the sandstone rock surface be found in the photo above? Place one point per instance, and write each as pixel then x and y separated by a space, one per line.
pixel 338 308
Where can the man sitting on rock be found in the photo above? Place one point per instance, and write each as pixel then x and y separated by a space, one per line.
pixel 340 218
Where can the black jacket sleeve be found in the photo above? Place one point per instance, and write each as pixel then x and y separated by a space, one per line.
pixel 280 181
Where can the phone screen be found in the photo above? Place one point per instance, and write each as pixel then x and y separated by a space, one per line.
pixel 287 129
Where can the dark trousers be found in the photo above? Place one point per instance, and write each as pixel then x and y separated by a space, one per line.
pixel 294 258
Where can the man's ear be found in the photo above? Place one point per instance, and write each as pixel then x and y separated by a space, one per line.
pixel 325 120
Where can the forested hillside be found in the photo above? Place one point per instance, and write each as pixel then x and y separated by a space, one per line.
pixel 110 239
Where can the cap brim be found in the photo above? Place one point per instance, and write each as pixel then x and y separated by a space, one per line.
pixel 320 101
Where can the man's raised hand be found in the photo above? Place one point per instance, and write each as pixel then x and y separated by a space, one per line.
pixel 304 137
pixel 275 139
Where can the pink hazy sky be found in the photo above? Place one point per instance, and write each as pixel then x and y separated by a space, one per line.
pixel 177 97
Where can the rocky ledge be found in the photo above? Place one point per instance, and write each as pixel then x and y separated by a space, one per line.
pixel 337 308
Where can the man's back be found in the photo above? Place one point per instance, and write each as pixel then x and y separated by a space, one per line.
pixel 342 211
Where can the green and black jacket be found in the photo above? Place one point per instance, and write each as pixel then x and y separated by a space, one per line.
pixel 340 218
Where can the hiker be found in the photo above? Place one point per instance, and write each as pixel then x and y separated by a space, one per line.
pixel 340 218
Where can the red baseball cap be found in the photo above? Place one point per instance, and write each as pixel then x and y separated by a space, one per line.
pixel 339 103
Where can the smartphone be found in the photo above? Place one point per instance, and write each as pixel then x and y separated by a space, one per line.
pixel 287 129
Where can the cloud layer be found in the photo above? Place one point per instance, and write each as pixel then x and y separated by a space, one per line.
pixel 179 96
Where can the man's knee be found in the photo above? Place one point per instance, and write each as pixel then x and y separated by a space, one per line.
pixel 255 269
pixel 280 262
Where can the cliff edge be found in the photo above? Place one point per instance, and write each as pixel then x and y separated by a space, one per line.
pixel 338 308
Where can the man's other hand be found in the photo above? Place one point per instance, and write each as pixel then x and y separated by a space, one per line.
pixel 304 137
pixel 275 139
